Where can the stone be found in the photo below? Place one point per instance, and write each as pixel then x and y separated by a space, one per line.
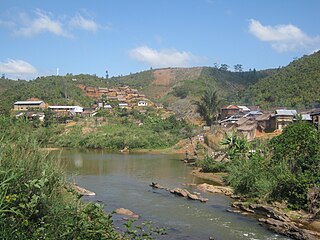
pixel 215 189
pixel 289 229
pixel 82 191
pixel 126 212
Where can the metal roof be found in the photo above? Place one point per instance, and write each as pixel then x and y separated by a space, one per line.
pixel 285 112
pixel 306 117
pixel 28 102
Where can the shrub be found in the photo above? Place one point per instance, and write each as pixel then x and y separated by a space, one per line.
pixel 208 164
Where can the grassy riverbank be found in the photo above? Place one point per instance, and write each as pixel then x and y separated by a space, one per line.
pixel 34 200
pixel 122 129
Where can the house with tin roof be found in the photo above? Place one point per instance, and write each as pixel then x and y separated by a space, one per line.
pixel 283 118
pixel 28 105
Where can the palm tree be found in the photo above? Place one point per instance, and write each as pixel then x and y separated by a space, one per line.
pixel 207 107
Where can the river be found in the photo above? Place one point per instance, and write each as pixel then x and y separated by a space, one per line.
pixel 122 180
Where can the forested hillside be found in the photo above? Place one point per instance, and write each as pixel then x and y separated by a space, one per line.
pixel 296 85
pixel 52 89
pixel 176 87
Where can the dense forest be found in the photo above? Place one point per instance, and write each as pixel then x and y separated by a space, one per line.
pixel 296 85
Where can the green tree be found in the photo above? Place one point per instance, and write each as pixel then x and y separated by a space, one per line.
pixel 296 160
pixel 207 107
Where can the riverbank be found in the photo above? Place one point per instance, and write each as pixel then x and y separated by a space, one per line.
pixel 276 217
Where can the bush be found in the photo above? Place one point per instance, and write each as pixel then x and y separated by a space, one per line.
pixel 34 202
pixel 208 164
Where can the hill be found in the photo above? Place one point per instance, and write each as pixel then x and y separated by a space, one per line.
pixel 296 85
pixel 175 87
pixel 54 90
pixel 178 87
pixel 7 83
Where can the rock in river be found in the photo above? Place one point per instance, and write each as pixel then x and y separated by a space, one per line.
pixel 127 212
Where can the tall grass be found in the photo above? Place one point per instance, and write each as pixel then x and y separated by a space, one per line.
pixel 34 200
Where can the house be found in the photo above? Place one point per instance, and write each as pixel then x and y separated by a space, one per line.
pixel 35 115
pixel 244 109
pixel 142 104
pixel 123 105
pixel 283 118
pixel 159 106
pixel 247 129
pixel 72 109
pixel 229 111
pixel 107 106
pixel 306 117
pixel 253 114
pixel 265 122
pixel 89 112
pixel 231 119
pixel 27 105
pixel 315 116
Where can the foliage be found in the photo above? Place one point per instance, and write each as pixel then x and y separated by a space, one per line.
pixel 296 85
pixel 287 168
pixel 136 131
pixel 208 164
pixel 181 92
pixel 34 202
pixel 55 90
pixel 250 177
pixel 145 231
pixel 207 107
pixel 297 152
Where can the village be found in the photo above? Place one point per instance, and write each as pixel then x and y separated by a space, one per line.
pixel 247 121
pixel 107 99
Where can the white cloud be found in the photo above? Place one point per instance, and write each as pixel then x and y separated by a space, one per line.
pixel 43 22
pixel 85 24
pixel 163 58
pixel 18 68
pixel 23 24
pixel 7 24
pixel 283 38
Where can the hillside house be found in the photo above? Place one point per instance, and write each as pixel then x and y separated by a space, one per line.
pixel 265 122
pixel 142 104
pixel 107 106
pixel 283 118
pixel 247 129
pixel 88 112
pixel 244 110
pixel 229 111
pixel 28 105
pixel 253 114
pixel 123 105
pixel 315 116
pixel 75 110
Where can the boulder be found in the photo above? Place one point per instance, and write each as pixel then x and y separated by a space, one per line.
pixel 289 229
pixel 180 192
pixel 82 191
pixel 215 189
pixel 126 212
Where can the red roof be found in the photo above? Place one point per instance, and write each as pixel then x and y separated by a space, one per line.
pixel 231 107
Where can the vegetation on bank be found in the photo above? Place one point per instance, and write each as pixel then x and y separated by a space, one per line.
pixel 126 129
pixel 34 200
pixel 287 168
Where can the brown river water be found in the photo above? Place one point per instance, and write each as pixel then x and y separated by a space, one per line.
pixel 122 181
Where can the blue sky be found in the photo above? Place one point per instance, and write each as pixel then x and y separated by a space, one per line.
pixel 123 36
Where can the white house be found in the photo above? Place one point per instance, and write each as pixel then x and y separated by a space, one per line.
pixel 142 104
pixel 107 106
pixel 72 109
pixel 123 105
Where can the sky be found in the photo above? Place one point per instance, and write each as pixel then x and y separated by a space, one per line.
pixel 37 37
